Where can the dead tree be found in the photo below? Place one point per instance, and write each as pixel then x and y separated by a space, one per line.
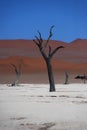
pixel 67 78
pixel 47 57
pixel 18 73
pixel 84 78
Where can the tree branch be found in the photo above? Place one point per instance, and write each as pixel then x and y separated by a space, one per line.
pixel 37 39
pixel 49 51
pixel 55 50
pixel 40 37
pixel 36 42
pixel 15 68
pixel 39 44
pixel 50 35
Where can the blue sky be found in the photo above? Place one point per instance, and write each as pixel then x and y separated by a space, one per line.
pixel 20 19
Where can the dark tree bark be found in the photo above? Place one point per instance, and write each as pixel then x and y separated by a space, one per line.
pixel 47 57
pixel 50 75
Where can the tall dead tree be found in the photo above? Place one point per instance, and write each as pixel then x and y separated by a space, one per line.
pixel 47 56
pixel 17 72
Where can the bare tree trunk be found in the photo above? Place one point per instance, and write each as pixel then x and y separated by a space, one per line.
pixel 67 77
pixel 84 78
pixel 50 75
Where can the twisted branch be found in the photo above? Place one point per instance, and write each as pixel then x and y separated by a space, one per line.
pixel 55 50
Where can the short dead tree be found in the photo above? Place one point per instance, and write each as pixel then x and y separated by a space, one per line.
pixel 67 78
pixel 84 78
pixel 17 72
pixel 47 56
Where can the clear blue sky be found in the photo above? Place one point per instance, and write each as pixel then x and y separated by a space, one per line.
pixel 20 19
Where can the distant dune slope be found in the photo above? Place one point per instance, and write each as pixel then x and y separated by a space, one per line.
pixel 75 51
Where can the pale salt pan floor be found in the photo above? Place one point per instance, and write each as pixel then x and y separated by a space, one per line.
pixel 33 107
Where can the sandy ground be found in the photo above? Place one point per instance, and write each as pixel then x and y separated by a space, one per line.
pixel 33 107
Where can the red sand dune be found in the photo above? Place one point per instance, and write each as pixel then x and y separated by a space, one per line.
pixel 73 58
pixel 73 52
